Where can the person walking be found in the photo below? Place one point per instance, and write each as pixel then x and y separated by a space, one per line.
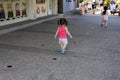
pixel 62 32
pixel 93 6
pixel 104 17
pixel 83 8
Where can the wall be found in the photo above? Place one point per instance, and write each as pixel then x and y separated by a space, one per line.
pixel 52 7
pixel 40 9
pixel 20 10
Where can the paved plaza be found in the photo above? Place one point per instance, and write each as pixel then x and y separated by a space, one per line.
pixel 32 53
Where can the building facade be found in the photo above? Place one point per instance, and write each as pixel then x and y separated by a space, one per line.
pixel 12 11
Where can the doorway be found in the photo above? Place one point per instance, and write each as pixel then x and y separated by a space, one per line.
pixel 60 6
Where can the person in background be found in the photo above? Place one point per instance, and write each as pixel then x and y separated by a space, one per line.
pixel 112 7
pixel 93 6
pixel 104 17
pixel 101 6
pixel 83 8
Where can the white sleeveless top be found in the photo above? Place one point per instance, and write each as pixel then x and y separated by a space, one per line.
pixel 105 17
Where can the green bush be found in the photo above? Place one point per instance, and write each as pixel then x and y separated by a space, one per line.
pixel 81 1
pixel 107 2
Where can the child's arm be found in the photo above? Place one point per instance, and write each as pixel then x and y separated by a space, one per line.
pixel 68 32
pixel 56 33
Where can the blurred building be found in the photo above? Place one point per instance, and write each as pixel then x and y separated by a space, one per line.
pixel 12 11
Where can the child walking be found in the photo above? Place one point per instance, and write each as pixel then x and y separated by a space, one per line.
pixel 62 32
pixel 105 18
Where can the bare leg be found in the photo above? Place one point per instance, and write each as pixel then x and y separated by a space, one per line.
pixel 102 22
pixel 105 23
pixel 63 46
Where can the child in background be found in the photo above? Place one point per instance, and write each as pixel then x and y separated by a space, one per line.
pixel 105 17
pixel 62 32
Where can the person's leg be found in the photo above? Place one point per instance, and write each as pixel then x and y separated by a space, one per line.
pixel 94 7
pixel 105 23
pixel 102 22
pixel 64 45
pixel 61 48
pixel 93 10
pixel 61 45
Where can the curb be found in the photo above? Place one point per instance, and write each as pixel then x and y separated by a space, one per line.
pixel 18 27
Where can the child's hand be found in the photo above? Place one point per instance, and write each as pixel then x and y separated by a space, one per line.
pixel 70 36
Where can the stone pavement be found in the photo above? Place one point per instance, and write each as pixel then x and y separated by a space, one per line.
pixel 32 53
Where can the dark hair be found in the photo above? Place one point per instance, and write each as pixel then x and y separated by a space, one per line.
pixel 105 10
pixel 62 21
pixel 105 7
